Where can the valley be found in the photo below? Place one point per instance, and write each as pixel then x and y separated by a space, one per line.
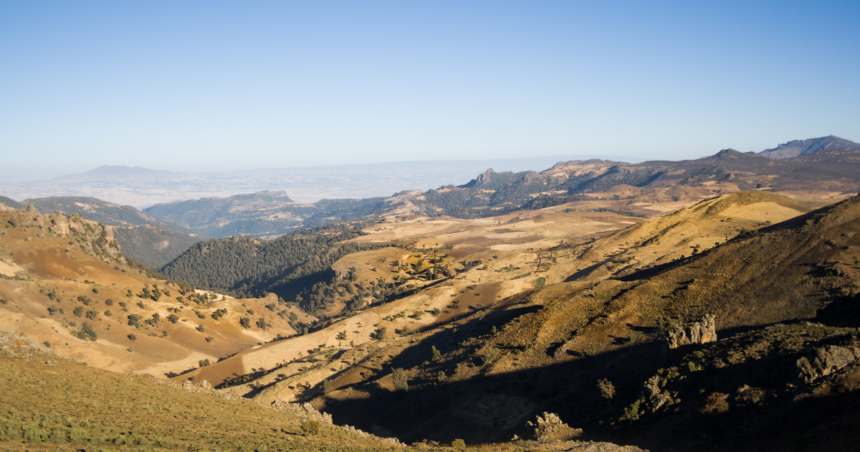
pixel 702 304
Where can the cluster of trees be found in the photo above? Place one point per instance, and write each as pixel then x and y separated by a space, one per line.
pixel 298 263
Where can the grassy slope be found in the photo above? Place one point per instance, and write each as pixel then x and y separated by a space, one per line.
pixel 50 403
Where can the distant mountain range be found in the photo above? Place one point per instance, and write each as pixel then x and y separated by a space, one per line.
pixel 142 188
pixel 797 148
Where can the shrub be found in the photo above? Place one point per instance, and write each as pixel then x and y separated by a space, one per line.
pixel 607 389
pixel 109 302
pixel 4 300
pixel 173 318
pixel 540 282
pixel 261 323
pixel 47 344
pixel 95 290
pixel 132 337
pixel 200 328
pixel 458 444
pixel 79 311
pixel 210 339
pixel 53 310
pixel 491 355
pixel 437 355
pixel 203 362
pixel 92 315
pixel 108 313
pixel 326 387
pixel 311 428
pixel 379 334
pixel 401 382
pixel 717 402
pixel 134 320
pixel 86 333
pixel 440 377
pixel 436 311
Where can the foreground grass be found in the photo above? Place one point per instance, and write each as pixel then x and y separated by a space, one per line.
pixel 48 403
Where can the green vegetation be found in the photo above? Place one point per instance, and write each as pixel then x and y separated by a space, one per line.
pixel 296 267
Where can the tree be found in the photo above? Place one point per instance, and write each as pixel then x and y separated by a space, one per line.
pixel 437 355
pixel 245 322
pixel 79 311
pixel 401 382
pixel 607 390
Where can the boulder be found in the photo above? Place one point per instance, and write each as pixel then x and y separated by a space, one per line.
pixel 826 361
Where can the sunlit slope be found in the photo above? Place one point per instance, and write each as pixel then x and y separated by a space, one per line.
pixel 537 350
pixel 66 283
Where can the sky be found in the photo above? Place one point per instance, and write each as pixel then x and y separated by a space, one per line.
pixel 214 86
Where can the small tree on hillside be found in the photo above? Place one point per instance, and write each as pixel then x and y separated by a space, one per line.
pixel 401 382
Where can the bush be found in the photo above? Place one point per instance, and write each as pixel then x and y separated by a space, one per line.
pixel 436 311
pixel 717 403
pixel 458 443
pixel 245 322
pixel 326 387
pixel 379 334
pixel 203 362
pixel 92 315
pixel 134 320
pixel 173 318
pixel 200 328
pixel 132 337
pixel 87 333
pixel 109 302
pixel 79 311
pixel 53 310
pixel 261 323
pixel 311 428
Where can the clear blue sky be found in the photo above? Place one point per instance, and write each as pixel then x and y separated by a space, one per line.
pixel 226 85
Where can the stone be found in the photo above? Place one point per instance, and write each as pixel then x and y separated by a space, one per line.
pixel 701 332
pixel 549 427
pixel 826 361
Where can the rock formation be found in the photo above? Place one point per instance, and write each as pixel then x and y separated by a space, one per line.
pixel 701 332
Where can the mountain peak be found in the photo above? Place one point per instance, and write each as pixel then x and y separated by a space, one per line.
pixel 797 148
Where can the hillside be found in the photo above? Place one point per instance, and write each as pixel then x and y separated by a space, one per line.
pixel 536 323
pixel 150 241
pixel 51 403
pixel 9 202
pixel 263 214
pixel 65 281
pixel 829 174
pixel 797 148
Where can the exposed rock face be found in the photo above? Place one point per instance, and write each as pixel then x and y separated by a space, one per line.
pixel 484 178
pixel 826 361
pixel 701 332
pixel 549 427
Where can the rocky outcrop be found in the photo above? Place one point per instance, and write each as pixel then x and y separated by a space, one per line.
pixel 655 394
pixel 701 332
pixel 826 361
pixel 549 427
